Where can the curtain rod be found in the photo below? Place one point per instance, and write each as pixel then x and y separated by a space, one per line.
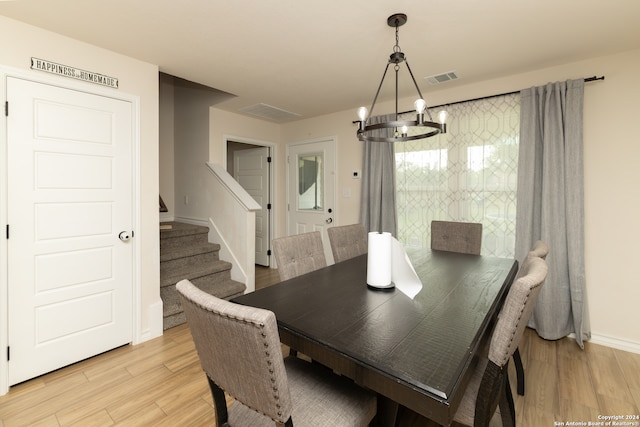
pixel 586 80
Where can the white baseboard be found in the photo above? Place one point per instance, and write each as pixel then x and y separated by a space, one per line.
pixel 155 323
pixel 617 343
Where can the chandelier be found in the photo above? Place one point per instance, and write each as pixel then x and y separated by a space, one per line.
pixel 425 128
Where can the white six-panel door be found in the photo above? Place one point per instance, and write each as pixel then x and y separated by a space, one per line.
pixel 70 276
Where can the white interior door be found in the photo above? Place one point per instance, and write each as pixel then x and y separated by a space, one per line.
pixel 251 170
pixel 311 189
pixel 70 276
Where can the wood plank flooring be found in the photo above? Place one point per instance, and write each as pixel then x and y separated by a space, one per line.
pixel 160 383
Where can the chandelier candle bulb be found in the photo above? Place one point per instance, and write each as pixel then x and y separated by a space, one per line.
pixel 362 113
pixel 442 116
pixel 420 105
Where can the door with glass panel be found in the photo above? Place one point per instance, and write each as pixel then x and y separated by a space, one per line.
pixel 311 188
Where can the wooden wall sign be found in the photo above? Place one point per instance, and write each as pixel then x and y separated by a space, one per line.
pixel 72 72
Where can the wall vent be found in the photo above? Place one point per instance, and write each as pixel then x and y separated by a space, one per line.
pixel 441 78
pixel 269 112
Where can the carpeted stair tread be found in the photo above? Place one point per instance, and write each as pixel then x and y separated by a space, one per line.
pixel 191 273
pixel 226 290
pixel 181 229
pixel 182 235
pixel 187 251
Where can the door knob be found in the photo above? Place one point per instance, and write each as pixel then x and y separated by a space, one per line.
pixel 329 220
pixel 124 236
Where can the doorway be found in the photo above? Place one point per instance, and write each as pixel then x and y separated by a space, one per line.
pixel 252 166
pixel 311 188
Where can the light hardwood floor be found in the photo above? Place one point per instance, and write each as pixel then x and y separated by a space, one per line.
pixel 160 383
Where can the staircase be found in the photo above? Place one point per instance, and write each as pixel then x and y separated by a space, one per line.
pixel 185 253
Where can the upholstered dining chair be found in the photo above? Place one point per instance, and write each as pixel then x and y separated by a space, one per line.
pixel 348 241
pixel 240 352
pixel 540 250
pixel 462 237
pixel 299 254
pixel 489 384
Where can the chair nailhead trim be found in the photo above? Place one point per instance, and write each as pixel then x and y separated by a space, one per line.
pixel 276 395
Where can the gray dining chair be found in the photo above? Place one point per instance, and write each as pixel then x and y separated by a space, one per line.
pixel 240 352
pixel 462 237
pixel 489 384
pixel 539 250
pixel 347 241
pixel 299 254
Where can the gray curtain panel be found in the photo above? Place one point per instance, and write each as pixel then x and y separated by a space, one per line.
pixel 550 204
pixel 378 197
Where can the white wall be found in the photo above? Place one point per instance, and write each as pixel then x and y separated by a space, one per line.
pixel 184 146
pixel 191 114
pixel 166 153
pixel 236 127
pixel 135 78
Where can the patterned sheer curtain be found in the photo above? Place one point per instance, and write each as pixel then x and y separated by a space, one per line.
pixel 468 174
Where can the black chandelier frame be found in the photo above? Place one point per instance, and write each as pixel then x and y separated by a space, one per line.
pixel 366 128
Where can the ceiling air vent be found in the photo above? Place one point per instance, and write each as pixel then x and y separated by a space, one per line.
pixel 441 78
pixel 269 112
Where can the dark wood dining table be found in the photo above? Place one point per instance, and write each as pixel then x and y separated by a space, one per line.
pixel 418 353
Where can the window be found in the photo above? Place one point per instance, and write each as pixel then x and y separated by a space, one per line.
pixel 468 174
pixel 310 185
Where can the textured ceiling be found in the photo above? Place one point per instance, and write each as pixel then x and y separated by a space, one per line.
pixel 316 57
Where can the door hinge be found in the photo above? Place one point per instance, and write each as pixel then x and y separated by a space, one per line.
pixel 8 353
pixel 269 252
pixel 7 231
pixel 6 108
pixel 268 205
pixel 269 159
